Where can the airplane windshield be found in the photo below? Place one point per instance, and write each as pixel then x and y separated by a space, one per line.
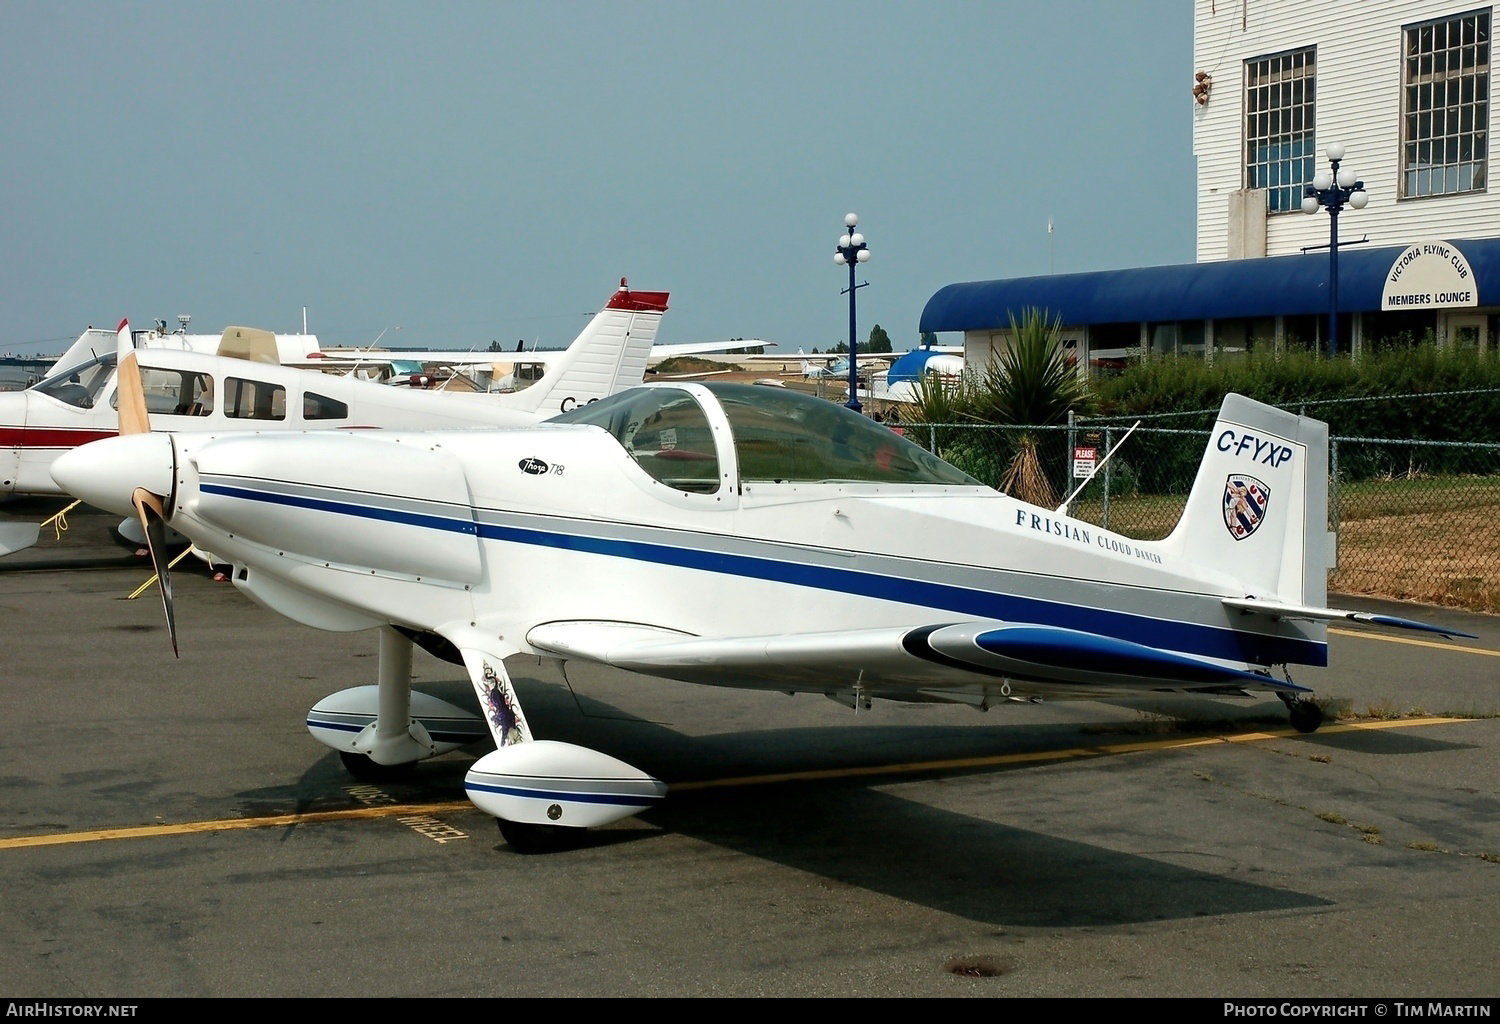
pixel 664 430
pixel 81 384
pixel 780 435
pixel 785 436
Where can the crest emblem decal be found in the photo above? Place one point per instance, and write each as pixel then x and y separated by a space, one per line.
pixel 1246 500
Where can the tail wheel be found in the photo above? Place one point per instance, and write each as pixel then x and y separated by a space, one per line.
pixel 1306 716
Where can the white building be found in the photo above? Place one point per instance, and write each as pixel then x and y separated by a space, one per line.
pixel 1404 86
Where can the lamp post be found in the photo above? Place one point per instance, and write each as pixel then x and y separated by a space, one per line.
pixel 1331 190
pixel 852 250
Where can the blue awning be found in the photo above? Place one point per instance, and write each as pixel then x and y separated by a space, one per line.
pixel 1273 286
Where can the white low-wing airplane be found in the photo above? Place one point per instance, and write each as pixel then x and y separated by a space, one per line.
pixel 733 535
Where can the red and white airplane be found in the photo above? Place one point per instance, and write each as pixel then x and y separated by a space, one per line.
pixel 244 386
pixel 191 388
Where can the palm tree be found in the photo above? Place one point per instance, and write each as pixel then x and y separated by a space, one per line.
pixel 1033 383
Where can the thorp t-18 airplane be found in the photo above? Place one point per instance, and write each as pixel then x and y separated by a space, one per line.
pixel 733 535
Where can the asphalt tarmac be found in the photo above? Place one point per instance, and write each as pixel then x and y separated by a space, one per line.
pixel 171 830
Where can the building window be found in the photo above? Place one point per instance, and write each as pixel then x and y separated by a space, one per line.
pixel 1445 106
pixel 1279 125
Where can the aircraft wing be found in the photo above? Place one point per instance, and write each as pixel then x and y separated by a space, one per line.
pixel 694 347
pixel 453 357
pixel 789 357
pixel 887 661
pixel 438 356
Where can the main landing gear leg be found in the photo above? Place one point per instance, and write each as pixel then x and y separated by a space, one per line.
pixel 1306 715
pixel 390 747
pixel 544 793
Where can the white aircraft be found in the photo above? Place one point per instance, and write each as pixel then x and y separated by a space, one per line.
pixel 903 378
pixel 246 388
pixel 75 403
pixel 492 372
pixel 813 367
pixel 732 535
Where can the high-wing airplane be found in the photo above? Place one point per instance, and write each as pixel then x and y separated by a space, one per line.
pixel 732 535
pixel 903 378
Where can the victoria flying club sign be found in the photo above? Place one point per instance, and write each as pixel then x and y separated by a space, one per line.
pixel 1429 275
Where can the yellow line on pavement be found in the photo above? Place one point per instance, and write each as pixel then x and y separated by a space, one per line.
pixel 227 824
pixel 913 768
pixel 1415 643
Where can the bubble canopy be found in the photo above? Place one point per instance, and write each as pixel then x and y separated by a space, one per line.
pixel 779 436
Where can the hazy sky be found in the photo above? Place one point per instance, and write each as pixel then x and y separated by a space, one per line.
pixel 471 172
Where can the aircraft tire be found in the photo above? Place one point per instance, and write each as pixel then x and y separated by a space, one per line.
pixel 365 770
pixel 525 838
pixel 1306 716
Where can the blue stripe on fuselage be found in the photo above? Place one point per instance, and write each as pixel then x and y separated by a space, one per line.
pixel 530 793
pixel 1185 637
pixel 388 515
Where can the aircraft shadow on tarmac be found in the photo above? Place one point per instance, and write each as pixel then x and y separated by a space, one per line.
pixel 843 828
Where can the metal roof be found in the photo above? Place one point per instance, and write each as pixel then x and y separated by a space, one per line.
pixel 1272 286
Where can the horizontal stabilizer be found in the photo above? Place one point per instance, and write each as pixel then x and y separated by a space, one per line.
pixel 1293 611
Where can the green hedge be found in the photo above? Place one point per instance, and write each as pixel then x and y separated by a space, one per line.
pixel 1402 391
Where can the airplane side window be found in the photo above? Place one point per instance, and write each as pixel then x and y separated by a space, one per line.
pixel 202 389
pixel 254 399
pixel 319 407
pixel 175 392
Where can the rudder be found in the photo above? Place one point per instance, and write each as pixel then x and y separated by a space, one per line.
pixel 608 355
pixel 1258 509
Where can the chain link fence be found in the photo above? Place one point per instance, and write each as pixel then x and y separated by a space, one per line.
pixel 1416 520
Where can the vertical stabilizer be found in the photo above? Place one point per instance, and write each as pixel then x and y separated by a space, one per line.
pixel 610 354
pixel 1258 510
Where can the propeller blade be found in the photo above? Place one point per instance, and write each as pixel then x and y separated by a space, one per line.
pixel 130 392
pixel 148 506
pixel 18 536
